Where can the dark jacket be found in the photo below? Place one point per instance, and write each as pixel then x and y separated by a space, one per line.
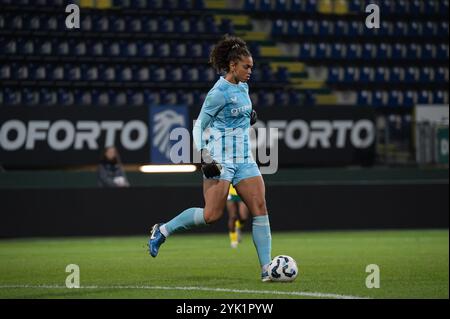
pixel 107 172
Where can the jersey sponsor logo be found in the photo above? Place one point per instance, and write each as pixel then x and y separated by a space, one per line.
pixel 239 110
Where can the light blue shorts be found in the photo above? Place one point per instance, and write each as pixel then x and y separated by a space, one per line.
pixel 236 172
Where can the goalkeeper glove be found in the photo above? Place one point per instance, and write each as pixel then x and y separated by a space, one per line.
pixel 253 117
pixel 210 167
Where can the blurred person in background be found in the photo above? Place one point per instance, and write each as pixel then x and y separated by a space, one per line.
pixel 110 172
pixel 237 216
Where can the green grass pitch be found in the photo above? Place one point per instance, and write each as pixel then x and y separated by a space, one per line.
pixel 412 264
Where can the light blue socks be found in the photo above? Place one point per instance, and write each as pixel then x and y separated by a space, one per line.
pixel 262 238
pixel 189 218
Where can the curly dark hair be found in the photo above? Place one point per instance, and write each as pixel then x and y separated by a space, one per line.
pixel 229 48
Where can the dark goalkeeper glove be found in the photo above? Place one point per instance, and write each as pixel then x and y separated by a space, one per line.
pixel 253 117
pixel 210 167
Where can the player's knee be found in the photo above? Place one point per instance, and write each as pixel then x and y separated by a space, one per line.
pixel 211 216
pixel 260 207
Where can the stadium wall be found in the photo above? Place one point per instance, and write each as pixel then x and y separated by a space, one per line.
pixel 104 212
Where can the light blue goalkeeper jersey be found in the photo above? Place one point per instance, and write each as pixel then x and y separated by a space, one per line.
pixel 226 111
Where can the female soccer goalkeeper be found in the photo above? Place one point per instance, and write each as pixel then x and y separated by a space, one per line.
pixel 226 153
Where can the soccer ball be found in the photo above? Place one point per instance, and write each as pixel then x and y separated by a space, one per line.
pixel 283 268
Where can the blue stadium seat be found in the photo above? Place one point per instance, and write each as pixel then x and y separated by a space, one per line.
pixel 226 26
pixel 383 51
pixel 108 73
pixel 400 29
pixel 307 51
pixel 443 28
pixel 309 27
pixel 250 5
pixel 149 25
pixel 443 8
pixel 394 98
pixel 30 97
pixel 296 6
pixel 355 6
pixel 337 51
pixel 133 24
pixel 366 75
pixel 135 98
pixel 45 48
pixel 86 23
pixel 325 27
pixel 282 75
pixel 423 97
pixel 438 97
pixel 178 49
pixel 367 52
pixel 124 73
pixel 281 97
pixel 65 97
pixel 334 75
pixel 364 98
pixel 321 50
pixel 293 27
pixel 118 98
pixel 210 25
pixel 174 73
pixel 411 74
pixel 168 4
pixel 415 29
pixel 48 97
pixel 26 47
pixel 265 5
pixel 398 51
pixel 33 23
pixel 401 6
pixel 430 7
pixel 413 51
pixel 415 7
pixel 191 74
pixel 429 29
pixel 56 72
pixel 428 51
pixel 397 74
pixel 95 48
pixel 409 99
pixel 295 98
pixel 266 73
pixel 355 28
pixel 442 51
pixel 142 73
pixel 281 5
pixel 74 72
pixel 379 99
pixel 381 75
pixel 341 28
pixel 441 74
pixel 184 97
pixel 11 96
pixel 350 75
pixel 5 72
pixel 80 48
pixel 310 6
pixel 62 47
pixel 101 24
pixel 278 27
pixel 90 72
pixel 387 7
pixel 386 29
pixel 117 23
pixel 146 48
pixel 162 49
pixel 353 51
pixel 113 49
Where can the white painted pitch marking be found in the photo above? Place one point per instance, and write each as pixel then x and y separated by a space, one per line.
pixel 238 291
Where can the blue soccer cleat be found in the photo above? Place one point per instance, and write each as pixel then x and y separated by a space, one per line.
pixel 156 240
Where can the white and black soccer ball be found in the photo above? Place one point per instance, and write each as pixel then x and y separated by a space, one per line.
pixel 283 268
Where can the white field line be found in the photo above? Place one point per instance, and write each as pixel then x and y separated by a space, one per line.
pixel 237 291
